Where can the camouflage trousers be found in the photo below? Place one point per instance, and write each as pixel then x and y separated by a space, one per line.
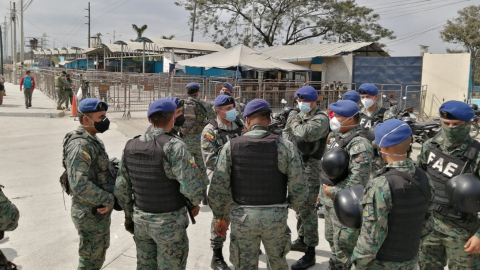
pixel 342 240
pixel 94 236
pixel 437 247
pixel 194 146
pixel 307 219
pixel 381 265
pixel 251 226
pixel 216 240
pixel 60 95
pixel 161 239
pixel 68 96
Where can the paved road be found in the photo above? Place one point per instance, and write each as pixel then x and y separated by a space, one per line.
pixel 30 156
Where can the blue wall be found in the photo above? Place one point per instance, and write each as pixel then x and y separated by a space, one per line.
pixel 388 70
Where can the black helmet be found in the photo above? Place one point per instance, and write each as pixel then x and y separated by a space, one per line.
pixel 286 111
pixel 408 120
pixel 335 164
pixel 463 192
pixel 348 206
pixel 473 106
pixel 371 134
pixel 307 148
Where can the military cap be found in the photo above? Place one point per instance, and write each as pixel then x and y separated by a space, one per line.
pixel 193 85
pixel 163 105
pixel 223 100
pixel 256 105
pixel 178 102
pixel 369 89
pixel 90 105
pixel 392 132
pixel 352 95
pixel 345 108
pixel 308 93
pixel 228 86
pixel 456 110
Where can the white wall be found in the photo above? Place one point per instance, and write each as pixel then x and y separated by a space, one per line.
pixel 447 78
pixel 338 69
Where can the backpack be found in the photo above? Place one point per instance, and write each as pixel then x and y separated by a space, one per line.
pixel 195 117
pixel 27 82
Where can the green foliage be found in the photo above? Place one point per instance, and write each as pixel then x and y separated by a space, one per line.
pixel 139 30
pixel 168 37
pixel 285 21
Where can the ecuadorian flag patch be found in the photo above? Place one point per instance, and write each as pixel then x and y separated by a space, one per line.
pixel 209 136
pixel 86 157
pixel 192 163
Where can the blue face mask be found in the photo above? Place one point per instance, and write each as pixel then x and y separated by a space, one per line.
pixel 231 115
pixel 304 107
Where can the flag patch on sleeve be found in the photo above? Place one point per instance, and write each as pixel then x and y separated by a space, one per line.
pixel 86 157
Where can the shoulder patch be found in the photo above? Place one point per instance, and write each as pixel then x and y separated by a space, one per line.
pixel 209 136
pixel 86 157
pixel 192 162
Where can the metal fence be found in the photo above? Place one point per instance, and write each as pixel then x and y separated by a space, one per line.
pixel 126 92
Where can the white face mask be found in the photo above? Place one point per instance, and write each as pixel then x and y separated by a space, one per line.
pixel 368 102
pixel 335 125
pixel 304 107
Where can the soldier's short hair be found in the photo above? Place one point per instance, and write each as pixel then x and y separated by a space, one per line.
pixel 161 119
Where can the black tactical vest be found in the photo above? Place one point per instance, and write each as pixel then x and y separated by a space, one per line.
pixel 410 198
pixel 256 179
pixel 313 149
pixel 154 192
pixel 367 122
pixel 225 135
pixel 441 168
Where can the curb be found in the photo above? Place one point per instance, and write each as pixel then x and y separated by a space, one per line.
pixel 47 114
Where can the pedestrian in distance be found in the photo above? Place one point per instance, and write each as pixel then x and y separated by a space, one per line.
pixel 28 83
pixel 60 82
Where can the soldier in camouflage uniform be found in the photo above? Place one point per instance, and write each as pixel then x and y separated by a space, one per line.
pixel 90 182
pixel 68 91
pixel 309 128
pixel 350 137
pixel 179 116
pixel 452 152
pixel 9 216
pixel 214 136
pixel 392 229
pixel 160 174
pixel 197 114
pixel 255 171
pixel 228 90
pixel 370 115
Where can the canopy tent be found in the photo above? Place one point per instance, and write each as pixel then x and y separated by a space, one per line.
pixel 240 56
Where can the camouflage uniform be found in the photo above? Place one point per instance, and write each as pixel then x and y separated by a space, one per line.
pixel 342 239
pixel 191 133
pixel 378 162
pixel 161 238
pixel 450 235
pixel 211 146
pixel 68 92
pixel 315 129
pixel 391 113
pixel 252 224
pixel 9 216
pixel 378 204
pixel 87 167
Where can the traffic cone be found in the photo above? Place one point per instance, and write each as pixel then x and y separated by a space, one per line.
pixel 74 107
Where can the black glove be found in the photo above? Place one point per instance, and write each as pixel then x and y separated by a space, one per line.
pixel 129 225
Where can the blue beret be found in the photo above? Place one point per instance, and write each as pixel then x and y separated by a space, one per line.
pixel 369 89
pixel 163 105
pixel 352 95
pixel 256 105
pixel 228 86
pixel 90 105
pixel 223 100
pixel 392 132
pixel 345 108
pixel 308 93
pixel 193 85
pixel 177 101
pixel 456 110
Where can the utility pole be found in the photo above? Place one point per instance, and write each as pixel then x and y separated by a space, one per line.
pixel 252 27
pixel 88 24
pixel 194 17
pixel 14 43
pixel 1 51
pixel 5 33
pixel 22 38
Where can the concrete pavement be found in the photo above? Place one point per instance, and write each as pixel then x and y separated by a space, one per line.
pixel 30 157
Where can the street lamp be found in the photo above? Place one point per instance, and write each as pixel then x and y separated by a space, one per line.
pixel 113 37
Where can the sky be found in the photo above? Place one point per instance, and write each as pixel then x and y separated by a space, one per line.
pixel 414 22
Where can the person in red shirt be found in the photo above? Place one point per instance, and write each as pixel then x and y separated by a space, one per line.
pixel 28 83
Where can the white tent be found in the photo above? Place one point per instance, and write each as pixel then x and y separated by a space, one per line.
pixel 240 56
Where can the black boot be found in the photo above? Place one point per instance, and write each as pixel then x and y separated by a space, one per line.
pixel 218 263
pixel 299 245
pixel 307 261
pixel 331 265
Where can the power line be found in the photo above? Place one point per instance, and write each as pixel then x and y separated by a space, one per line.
pixel 418 11
pixel 112 9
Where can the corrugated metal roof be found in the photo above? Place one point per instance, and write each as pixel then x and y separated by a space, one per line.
pixel 184 45
pixel 297 53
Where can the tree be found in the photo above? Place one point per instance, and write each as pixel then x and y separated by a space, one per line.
pixel 139 30
pixel 284 21
pixel 464 31
pixel 168 37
